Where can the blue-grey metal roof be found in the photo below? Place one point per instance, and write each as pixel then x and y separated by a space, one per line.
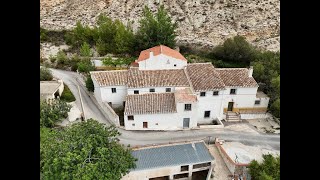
pixel 179 154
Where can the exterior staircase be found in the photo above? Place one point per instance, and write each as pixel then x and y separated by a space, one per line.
pixel 233 116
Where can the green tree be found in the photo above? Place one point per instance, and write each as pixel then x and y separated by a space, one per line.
pixel 53 111
pixel 89 84
pixel 106 32
pixel 124 38
pixel 235 49
pixel 85 150
pixel 45 74
pixel 85 50
pixel 85 66
pixel 79 35
pixel 108 61
pixel 62 58
pixel 156 29
pixel 269 169
pixel 275 108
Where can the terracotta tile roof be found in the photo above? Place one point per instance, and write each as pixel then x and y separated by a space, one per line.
pixel 236 77
pixel 203 77
pixel 157 78
pixel 184 95
pixel 151 103
pixel 110 78
pixel 161 49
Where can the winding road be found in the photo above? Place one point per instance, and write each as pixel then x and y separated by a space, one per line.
pixel 135 138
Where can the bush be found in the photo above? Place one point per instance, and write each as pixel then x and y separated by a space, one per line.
pixel 89 84
pixel 275 108
pixel 61 58
pixel 268 169
pixel 67 95
pixel 85 66
pixel 235 49
pixel 85 50
pixel 45 74
pixel 52 111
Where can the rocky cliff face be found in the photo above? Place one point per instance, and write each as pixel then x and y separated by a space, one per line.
pixel 202 23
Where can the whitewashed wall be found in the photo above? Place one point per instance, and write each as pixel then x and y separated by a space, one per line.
pixel 170 121
pixel 97 92
pixel 244 97
pixel 116 98
pixel 161 61
pixel 146 90
pixel 263 102
pixel 164 171
pixel 209 103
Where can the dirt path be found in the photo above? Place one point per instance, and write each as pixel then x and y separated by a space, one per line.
pixel 220 170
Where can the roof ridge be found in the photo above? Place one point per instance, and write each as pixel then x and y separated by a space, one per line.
pixel 167 144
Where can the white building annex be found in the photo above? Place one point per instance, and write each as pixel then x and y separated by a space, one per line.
pixel 161 91
pixel 189 160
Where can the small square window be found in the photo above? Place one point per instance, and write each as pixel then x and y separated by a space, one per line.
pixel 113 90
pixel 157 124
pixel 187 107
pixel 215 93
pixel 152 90
pixel 168 89
pixel 257 102
pixel 133 124
pixel 175 65
pixel 136 92
pixel 207 114
pixel 232 91
pixel 130 118
pixel 202 93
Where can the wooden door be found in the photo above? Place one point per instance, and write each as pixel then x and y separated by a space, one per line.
pixel 230 106
pixel 145 124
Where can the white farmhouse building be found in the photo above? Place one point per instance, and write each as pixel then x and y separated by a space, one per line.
pixel 161 91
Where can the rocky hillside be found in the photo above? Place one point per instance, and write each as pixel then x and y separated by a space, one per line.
pixel 202 23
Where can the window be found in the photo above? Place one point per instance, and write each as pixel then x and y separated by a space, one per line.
pixel 133 124
pixel 113 90
pixel 178 176
pixel 201 165
pixel 152 90
pixel 207 114
pixel 202 93
pixel 157 124
pixel 232 91
pixel 187 107
pixel 168 89
pixel 215 93
pixel 130 118
pixel 257 102
pixel 185 168
pixel 136 92
pixel 175 65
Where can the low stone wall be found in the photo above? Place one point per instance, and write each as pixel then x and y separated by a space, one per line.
pixel 232 166
pixel 255 116
pixel 211 126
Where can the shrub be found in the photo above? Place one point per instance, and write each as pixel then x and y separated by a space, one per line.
pixel 89 84
pixel 85 66
pixel 235 49
pixel 67 95
pixel 45 74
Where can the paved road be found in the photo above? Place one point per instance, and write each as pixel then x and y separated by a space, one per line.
pixel 135 138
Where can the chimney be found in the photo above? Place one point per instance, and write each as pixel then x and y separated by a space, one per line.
pixel 151 54
pixel 250 71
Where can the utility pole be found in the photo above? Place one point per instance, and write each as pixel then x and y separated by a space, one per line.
pixel 82 114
